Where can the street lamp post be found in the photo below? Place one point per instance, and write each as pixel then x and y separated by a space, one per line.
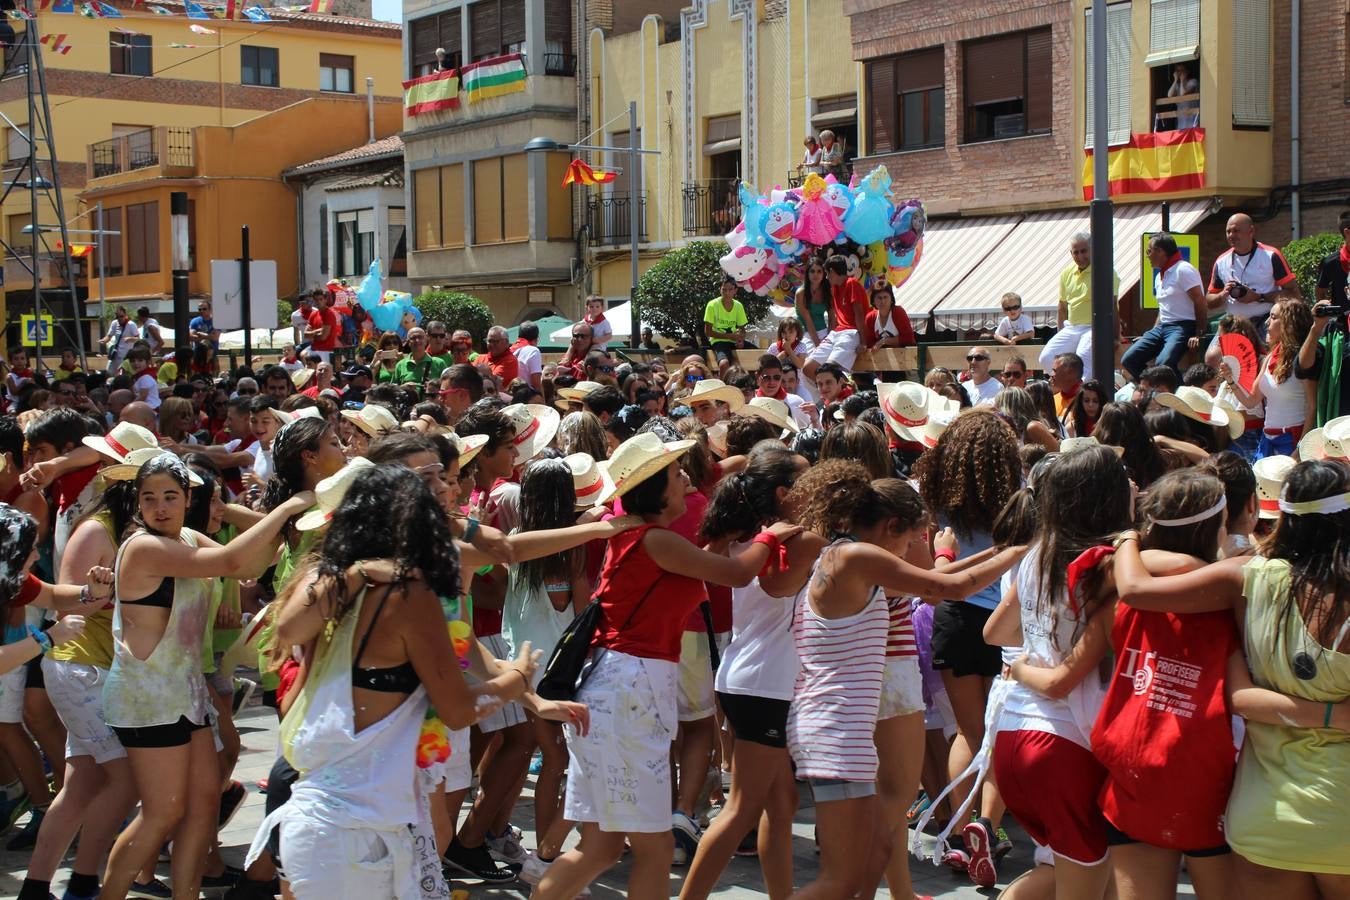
pixel 1103 263
pixel 635 154
pixel 178 230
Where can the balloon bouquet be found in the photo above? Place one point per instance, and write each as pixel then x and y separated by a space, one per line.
pixel 778 232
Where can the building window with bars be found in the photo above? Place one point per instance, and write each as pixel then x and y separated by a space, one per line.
pixel 336 73
pixel 432 33
pixel 355 242
pixel 1007 85
pixel 906 102
pixel 496 28
pixel 259 66
pixel 130 54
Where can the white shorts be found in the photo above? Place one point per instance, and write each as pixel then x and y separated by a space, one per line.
pixel 838 346
pixel 12 686
pixel 456 771
pixel 940 715
pixel 76 692
pixel 695 698
pixel 901 687
pixel 618 775
pixel 325 862
pixel 511 713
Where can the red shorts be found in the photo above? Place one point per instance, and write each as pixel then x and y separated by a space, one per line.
pixel 1051 784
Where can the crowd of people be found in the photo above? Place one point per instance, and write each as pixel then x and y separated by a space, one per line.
pixel 1119 617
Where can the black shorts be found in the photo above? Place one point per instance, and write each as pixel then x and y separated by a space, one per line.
pixel 760 720
pixel 34 676
pixel 175 734
pixel 724 351
pixel 1115 838
pixel 958 640
pixel 279 783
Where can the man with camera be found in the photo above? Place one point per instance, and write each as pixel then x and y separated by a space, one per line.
pixel 1249 277
pixel 1327 344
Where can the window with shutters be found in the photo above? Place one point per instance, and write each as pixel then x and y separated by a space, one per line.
pixel 1007 86
pixel 558 57
pixel 336 73
pixel 1117 76
pixel 905 102
pixel 432 33
pixel 496 27
pixel 259 66
pixel 1251 64
pixel 130 54
pixel 355 242
pixel 142 237
pixel 398 240
pixel 501 200
pixel 1173 32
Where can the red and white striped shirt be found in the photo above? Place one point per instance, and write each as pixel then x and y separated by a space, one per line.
pixel 900 637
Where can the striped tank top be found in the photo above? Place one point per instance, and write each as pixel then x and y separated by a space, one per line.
pixel 838 691
pixel 900 636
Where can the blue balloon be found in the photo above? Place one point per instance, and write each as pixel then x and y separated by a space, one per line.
pixel 368 294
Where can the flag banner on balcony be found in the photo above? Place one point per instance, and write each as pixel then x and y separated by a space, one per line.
pixel 580 173
pixel 321 6
pixel 494 77
pixel 1158 162
pixel 439 90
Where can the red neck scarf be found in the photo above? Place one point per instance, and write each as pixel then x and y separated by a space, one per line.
pixel 599 318
pixel 1345 258
pixel 1171 261
pixel 781 395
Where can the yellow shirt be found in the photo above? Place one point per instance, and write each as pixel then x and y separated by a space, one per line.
pixel 1287 808
pixel 94 647
pixel 1075 291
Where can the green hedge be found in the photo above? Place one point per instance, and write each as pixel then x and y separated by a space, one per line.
pixel 457 311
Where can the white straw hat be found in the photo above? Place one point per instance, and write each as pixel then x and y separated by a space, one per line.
pixel 1069 445
pixel 535 428
pixel 908 406
pixel 330 492
pixel 373 419
pixel 128 470
pixel 937 423
pixel 637 459
pixel 771 410
pixel 300 377
pixel 468 446
pixel 1331 441
pixel 1194 403
pixel 1270 472
pixel 714 389
pixel 1237 422
pixel 121 440
pixel 588 478
pixel 577 392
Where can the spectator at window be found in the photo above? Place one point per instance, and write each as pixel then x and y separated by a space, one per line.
pixel 1183 115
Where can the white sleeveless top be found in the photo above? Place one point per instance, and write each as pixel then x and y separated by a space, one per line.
pixel 761 660
pixel 838 696
pixel 168 684
pixel 528 615
pixel 1284 399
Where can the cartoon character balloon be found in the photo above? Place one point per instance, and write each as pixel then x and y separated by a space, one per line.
pixel 817 221
pixel 780 219
pixel 869 219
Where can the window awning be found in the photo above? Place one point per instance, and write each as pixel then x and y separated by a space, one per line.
pixel 834 117
pixel 952 249
pixel 727 146
pixel 1027 258
pixel 1172 56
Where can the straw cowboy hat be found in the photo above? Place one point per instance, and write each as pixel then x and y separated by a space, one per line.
pixel 1331 441
pixel 330 492
pixel 771 410
pixel 286 417
pixel 713 389
pixel 576 393
pixel 937 423
pixel 468 446
pixel 1194 403
pixel 372 419
pixel 637 459
pixel 1237 422
pixel 535 428
pixel 131 467
pixel 1070 445
pixel 300 377
pixel 121 440
pixel 908 406
pixel 589 479
pixel 1270 472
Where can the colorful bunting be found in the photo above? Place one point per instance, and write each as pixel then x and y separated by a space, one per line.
pixel 64 7
pixel 257 14
pixel 56 43
pixel 87 10
pixel 195 11
pixel 107 10
pixel 580 173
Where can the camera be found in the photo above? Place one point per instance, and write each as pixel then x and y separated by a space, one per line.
pixel 1326 312
pixel 1238 290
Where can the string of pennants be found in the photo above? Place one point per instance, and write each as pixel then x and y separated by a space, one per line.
pixel 236 10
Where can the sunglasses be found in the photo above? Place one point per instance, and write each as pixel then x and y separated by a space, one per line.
pixel 437 335
pixel 1012 308
pixel 1014 374
pixel 608 370
pixel 693 378
pixel 765 376
pixel 975 357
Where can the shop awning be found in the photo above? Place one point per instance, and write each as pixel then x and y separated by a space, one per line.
pixel 952 249
pixel 1030 256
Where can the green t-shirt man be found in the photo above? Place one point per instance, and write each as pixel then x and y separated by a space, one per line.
pixel 725 322
pixel 409 370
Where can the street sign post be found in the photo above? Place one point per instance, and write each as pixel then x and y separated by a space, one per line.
pixel 37 330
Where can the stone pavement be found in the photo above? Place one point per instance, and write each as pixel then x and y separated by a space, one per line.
pixel 741 880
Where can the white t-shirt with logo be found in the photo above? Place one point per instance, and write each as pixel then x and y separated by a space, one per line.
pixel 1011 328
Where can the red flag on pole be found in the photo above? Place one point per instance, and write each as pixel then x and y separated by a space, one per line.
pixel 580 173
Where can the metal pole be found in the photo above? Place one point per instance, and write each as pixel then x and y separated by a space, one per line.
pixel 1103 263
pixel 178 202
pixel 102 271
pixel 1167 216
pixel 634 161
pixel 30 39
pixel 1295 140
pixel 246 295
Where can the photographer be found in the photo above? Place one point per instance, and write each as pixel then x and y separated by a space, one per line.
pixel 1248 278
pixel 1327 338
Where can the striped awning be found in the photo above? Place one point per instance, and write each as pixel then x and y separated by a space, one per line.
pixel 952 249
pixel 1030 256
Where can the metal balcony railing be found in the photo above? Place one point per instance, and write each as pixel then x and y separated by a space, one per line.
pixel 150 147
pixel 610 217
pixel 712 206
pixel 560 64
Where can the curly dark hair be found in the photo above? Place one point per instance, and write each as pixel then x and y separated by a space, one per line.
pixel 288 475
pixel 969 476
pixel 18 537
pixel 807 443
pixel 744 432
pixel 1317 548
pixel 825 499
pixel 748 500
pixel 388 513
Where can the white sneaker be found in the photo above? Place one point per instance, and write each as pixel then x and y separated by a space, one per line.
pixel 687 835
pixel 506 849
pixel 534 870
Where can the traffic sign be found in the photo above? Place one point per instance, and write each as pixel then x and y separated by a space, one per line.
pixel 1188 244
pixel 38 331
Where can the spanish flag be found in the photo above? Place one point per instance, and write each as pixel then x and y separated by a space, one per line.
pixel 580 173
pixel 439 90
pixel 1159 162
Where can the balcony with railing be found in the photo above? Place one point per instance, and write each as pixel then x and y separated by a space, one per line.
pixel 712 206
pixel 610 218
pixel 564 63
pixel 166 151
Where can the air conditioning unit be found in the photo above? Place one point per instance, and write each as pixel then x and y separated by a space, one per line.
pixel 1009 126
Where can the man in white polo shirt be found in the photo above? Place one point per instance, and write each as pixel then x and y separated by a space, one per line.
pixel 1249 277
pixel 1182 315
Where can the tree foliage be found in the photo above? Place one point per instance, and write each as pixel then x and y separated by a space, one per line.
pixel 1305 257
pixel 457 311
pixel 673 293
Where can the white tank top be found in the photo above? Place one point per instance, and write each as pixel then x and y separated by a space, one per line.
pixel 1284 399
pixel 761 659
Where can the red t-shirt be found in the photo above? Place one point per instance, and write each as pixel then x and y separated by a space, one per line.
pixel 318 319
pixel 506 367
pixel 1164 733
pixel 846 298
pixel 69 486
pixel 650 628
pixel 28 592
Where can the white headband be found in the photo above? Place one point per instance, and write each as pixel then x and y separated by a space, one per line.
pixel 1198 517
pixel 1325 506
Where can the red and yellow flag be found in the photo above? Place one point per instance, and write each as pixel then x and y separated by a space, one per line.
pixel 1158 162
pixel 580 173
pixel 439 90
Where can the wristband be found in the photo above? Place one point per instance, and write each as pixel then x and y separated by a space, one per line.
pixel 470 529
pixel 777 559
pixel 1326 719
pixel 44 640
pixel 948 555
